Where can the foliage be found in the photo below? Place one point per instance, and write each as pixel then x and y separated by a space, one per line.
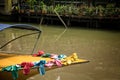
pixel 50 9
pixel 101 10
pixel 110 10
pixel 31 3
pixel 71 9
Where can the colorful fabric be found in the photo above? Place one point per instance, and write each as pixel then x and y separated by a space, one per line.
pixel 58 63
pixel 53 62
pixel 40 53
pixel 49 64
pixel 46 55
pixel 13 69
pixel 57 60
pixel 54 56
pixel 41 64
pixel 26 67
pixel 61 56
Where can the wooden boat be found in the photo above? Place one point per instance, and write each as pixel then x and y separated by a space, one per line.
pixel 12 59
pixel 7 60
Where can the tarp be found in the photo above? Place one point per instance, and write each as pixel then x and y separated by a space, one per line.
pixel 25 26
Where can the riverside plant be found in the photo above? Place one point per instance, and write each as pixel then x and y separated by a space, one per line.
pixel 71 9
pixel 31 3
pixel 101 10
pixel 50 9
pixel 110 10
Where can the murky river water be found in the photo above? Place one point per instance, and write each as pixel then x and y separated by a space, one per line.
pixel 100 47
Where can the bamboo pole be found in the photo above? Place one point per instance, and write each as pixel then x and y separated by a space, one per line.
pixel 63 24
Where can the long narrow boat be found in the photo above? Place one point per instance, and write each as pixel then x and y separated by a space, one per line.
pixel 18 66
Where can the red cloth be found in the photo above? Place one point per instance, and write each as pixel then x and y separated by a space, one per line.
pixel 39 53
pixel 26 67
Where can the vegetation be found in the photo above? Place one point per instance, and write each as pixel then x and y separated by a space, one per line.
pixel 71 9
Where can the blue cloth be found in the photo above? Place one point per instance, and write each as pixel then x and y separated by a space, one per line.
pixel 41 64
pixel 61 56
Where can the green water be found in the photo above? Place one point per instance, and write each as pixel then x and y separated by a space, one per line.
pixel 100 47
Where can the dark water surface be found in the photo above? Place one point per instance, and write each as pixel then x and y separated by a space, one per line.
pixel 100 47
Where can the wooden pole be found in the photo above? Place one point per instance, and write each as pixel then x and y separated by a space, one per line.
pixel 63 24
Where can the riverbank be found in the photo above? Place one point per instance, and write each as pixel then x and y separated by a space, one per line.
pixel 87 22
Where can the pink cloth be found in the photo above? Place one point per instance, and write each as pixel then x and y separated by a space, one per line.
pixel 58 63
pixel 26 67
pixel 52 63
pixel 54 56
pixel 49 64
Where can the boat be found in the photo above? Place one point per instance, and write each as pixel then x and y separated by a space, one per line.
pixel 14 66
